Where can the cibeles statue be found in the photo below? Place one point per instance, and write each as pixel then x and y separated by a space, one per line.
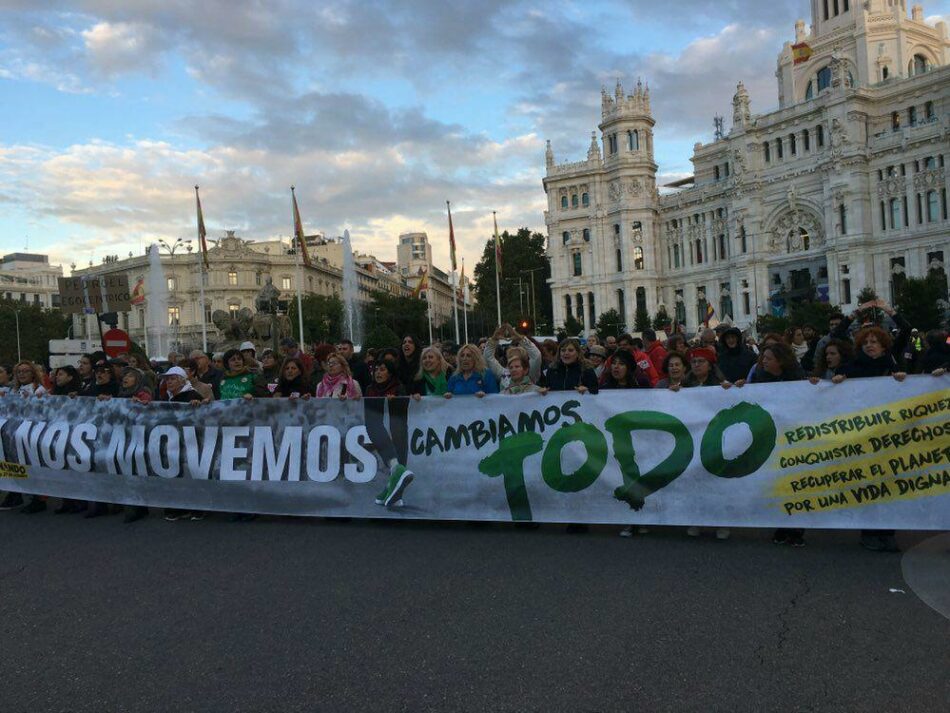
pixel 268 299
pixel 265 328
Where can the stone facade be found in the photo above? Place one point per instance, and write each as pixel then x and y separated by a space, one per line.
pixel 844 186
pixel 29 278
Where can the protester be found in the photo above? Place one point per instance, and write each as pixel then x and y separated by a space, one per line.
pixel 238 381
pixel 293 382
pixel 597 355
pixel 66 381
pixel 433 376
pixel 519 371
pixel 409 356
pixel 28 380
pixel 777 362
pixel 105 385
pixel 735 359
pixel 833 361
pixel 549 353
pixel 207 372
pixel 338 383
pixel 249 352
pixel 6 378
pixel 571 372
pixel 205 391
pixel 677 343
pixel 936 357
pixel 385 384
pixel 611 343
pixel 132 385
pixel 703 370
pixel 625 373
pixel 473 377
pixel 265 383
pixel 290 348
pixel 358 369
pixel 795 337
pixel 138 361
pixel 217 360
pixel 178 389
pixel 654 349
pixel 635 347
pixel 516 342
pixel 676 368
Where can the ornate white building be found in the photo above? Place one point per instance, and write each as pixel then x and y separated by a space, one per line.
pixel 844 186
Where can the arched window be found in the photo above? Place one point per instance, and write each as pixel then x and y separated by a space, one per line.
pixel 642 299
pixel 792 144
pixel 919 65
pixel 563 202
pixel 806 140
pixel 565 237
pixel 932 207
pixel 767 150
pixel 579 300
pixel 638 258
pixel 884 73
pixel 567 305
pixel 586 235
pixel 820 135
pixel 574 202
pixel 823 78
pixel 577 266
pixel 895 212
pixel 585 200
pixel 633 140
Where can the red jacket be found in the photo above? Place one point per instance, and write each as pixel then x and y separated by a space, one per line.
pixel 657 355
pixel 643 361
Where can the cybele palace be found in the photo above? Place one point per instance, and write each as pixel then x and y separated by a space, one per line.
pixel 843 186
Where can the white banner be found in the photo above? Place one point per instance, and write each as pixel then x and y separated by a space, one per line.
pixel 868 453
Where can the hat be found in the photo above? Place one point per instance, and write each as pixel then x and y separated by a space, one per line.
pixel 247 347
pixel 914 331
pixel 597 350
pixel 703 353
pixel 175 371
pixel 102 365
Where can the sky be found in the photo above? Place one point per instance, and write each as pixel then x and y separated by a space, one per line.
pixel 111 111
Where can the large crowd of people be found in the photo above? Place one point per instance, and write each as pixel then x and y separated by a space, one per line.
pixel 874 341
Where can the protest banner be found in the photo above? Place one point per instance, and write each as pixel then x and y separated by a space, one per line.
pixel 868 453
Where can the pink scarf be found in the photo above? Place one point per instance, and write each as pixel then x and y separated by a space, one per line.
pixel 328 384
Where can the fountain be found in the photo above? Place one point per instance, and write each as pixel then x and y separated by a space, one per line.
pixel 156 290
pixel 352 319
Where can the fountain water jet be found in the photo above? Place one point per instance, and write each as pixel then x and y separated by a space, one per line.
pixel 352 317
pixel 156 294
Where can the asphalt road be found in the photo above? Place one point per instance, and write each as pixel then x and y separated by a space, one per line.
pixel 312 615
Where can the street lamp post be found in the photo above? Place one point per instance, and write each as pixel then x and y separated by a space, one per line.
pixel 19 355
pixel 179 242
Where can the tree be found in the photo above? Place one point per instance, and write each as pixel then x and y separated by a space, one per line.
pixel 815 314
pixel 380 336
pixel 917 301
pixel 522 252
pixel 766 323
pixel 572 327
pixel 661 319
pixel 610 324
pixel 400 315
pixel 867 294
pixel 322 318
pixel 37 327
pixel 641 320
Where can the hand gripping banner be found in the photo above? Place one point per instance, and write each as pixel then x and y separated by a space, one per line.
pixel 868 453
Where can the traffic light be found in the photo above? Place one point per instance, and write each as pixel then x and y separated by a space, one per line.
pixel 526 325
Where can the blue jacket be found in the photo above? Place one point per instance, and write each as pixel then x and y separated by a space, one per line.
pixel 478 381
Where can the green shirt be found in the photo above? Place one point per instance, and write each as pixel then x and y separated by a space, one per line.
pixel 234 387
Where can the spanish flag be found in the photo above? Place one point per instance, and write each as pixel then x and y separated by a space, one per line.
pixel 422 285
pixel 298 231
pixel 138 292
pixel 202 234
pixel 801 53
pixel 709 313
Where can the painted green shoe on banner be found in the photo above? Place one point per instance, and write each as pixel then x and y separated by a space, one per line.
pixel 399 480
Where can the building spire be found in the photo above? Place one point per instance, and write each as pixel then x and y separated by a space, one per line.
pixel 593 153
pixel 548 155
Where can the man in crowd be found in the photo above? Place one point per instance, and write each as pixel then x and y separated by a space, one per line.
pixel 358 367
pixel 290 348
pixel 206 372
pixel 654 350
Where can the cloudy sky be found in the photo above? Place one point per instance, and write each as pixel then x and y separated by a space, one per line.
pixel 111 110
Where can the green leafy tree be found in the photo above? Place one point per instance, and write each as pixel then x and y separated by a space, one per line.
pixel 641 320
pixel 867 294
pixel 322 318
pixel 816 314
pixel 400 315
pixel 610 324
pixel 766 323
pixel 522 252
pixel 918 301
pixel 37 327
pixel 380 336
pixel 572 327
pixel 661 319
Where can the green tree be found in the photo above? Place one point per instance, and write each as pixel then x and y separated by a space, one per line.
pixel 641 320
pixel 572 327
pixel 400 315
pixel 610 324
pixel 867 294
pixel 816 314
pixel 766 323
pixel 917 301
pixel 661 319
pixel 37 327
pixel 522 252
pixel 322 318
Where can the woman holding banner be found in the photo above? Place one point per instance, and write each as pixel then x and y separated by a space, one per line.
pixel 473 377
pixel 570 372
pixel 433 376
pixel 338 382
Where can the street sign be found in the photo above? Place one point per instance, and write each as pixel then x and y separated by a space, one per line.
pixel 74 346
pixel 94 294
pixel 116 343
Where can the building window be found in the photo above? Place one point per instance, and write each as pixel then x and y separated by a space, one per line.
pixel 895 121
pixel 612 143
pixel 574 201
pixel 745 303
pixel 929 163
pixel 676 256
pixel 172 284
pixel 810 91
pixel 174 316
pixel 258 279
pixel 622 308
pixel 232 278
pixel 843 218
pixel 932 207
pixel 617 231
pixel 641 299
pixel 779 149
pixel 586 235
pixel 727 169
pixel 285 283
pixel 577 264
pixel 716 172
pixel 725 300
pixel 806 140
pixel 898 276
pixel 699 252
pixel 824 78
pixel 825 8
pixel 895 211
pixel 820 135
pixel 565 238
pixel 846 291
pixel 742 240
pixel 591 310
pixel 919 65
pixel 563 202
pixel 906 213
pixel 580 308
pixel 767 150
pixel 619 260
pixel 567 306
pixel 585 200
pixel 638 258
pixel 929 111
pixel 792 144
pixel 912 115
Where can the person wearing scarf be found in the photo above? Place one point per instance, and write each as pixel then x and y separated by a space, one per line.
pixel 519 376
pixel 133 386
pixel 238 381
pixel 67 381
pixel 433 376
pixel 384 383
pixel 293 382
pixel 338 383
pixel 266 382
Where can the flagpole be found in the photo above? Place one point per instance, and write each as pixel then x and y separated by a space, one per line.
pixel 429 311
pixel 465 303
pixel 299 298
pixel 497 279
pixel 204 309
pixel 455 297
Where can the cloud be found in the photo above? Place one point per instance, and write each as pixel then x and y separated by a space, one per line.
pixel 121 47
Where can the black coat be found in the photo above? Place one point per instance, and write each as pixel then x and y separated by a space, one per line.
pixel 863 366
pixel 561 377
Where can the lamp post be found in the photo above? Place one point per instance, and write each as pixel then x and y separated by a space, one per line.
pixel 16 312
pixel 179 242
